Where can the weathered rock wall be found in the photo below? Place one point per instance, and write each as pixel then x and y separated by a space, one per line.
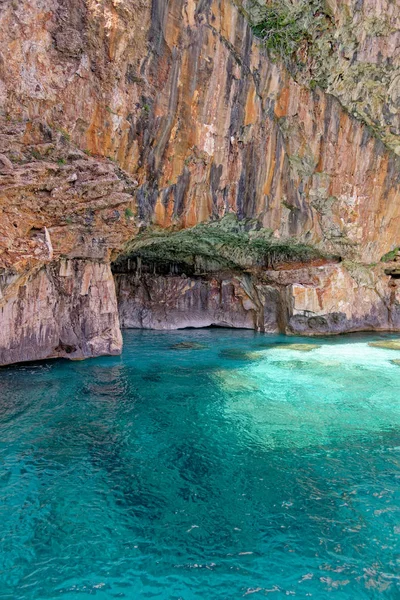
pixel 177 302
pixel 157 302
pixel 305 300
pixel 67 309
pixel 186 102
pixel 345 298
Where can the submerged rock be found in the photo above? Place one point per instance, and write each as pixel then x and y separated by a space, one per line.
pixel 297 347
pixel 237 354
pixel 396 361
pixel 151 377
pixel 236 381
pixel 386 344
pixel 187 346
pixel 301 347
pixel 294 364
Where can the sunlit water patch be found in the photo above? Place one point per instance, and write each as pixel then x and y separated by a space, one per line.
pixel 294 397
pixel 210 464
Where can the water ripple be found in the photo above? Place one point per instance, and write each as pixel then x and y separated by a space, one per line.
pixel 238 469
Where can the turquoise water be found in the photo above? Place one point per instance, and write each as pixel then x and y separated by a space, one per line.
pixel 238 468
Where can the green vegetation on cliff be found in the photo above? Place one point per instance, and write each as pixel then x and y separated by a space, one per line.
pixel 284 26
pixel 391 256
pixel 228 243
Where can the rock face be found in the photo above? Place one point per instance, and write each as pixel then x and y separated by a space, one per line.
pixel 176 302
pixel 120 115
pixel 345 298
pixel 157 302
pixel 67 309
pixel 312 300
pixel 349 49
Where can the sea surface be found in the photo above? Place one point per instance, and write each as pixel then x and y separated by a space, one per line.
pixel 203 465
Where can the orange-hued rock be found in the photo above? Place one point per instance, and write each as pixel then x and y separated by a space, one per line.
pixel 118 114
pixel 343 299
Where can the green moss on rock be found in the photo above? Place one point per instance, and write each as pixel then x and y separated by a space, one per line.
pixel 284 26
pixel 228 243
pixel 390 256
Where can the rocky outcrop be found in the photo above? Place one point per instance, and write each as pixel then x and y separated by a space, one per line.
pixel 345 298
pixel 122 115
pixel 183 97
pixel 62 214
pixel 67 309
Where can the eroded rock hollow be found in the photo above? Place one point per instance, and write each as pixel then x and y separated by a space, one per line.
pixel 165 164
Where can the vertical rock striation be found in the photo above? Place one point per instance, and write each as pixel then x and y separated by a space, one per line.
pixel 67 309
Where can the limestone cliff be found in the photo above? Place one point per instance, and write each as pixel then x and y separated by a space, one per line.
pixel 118 117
